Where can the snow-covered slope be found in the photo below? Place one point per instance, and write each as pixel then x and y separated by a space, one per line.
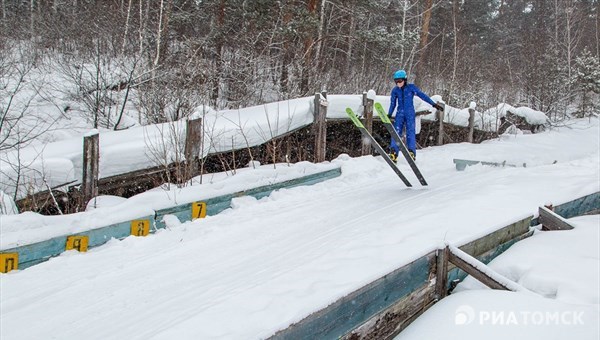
pixel 264 264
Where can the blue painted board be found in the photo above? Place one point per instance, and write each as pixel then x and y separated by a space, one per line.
pixel 578 207
pixel 461 164
pixel 356 308
pixel 38 252
pixel 218 204
pixel 35 253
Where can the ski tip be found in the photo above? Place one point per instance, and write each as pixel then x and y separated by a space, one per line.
pixel 354 118
pixel 382 114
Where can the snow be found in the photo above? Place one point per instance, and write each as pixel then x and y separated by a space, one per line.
pixel 92 132
pixel 563 267
pixel 371 94
pixel 57 163
pixel 264 264
pixel 28 228
pixel 532 116
pixel 104 201
pixel 497 315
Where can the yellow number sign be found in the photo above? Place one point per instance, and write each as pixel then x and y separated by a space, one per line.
pixel 79 243
pixel 198 210
pixel 140 227
pixel 8 262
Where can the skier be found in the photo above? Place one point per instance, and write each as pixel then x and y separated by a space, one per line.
pixel 402 96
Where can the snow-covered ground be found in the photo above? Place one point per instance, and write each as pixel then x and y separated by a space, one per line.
pixel 263 264
pixel 562 267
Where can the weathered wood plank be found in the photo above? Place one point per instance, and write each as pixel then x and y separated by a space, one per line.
pixel 320 126
pixel 456 275
pixel 89 180
pixel 471 125
pixel 441 272
pixel 193 146
pixel 475 272
pixel 552 221
pixel 390 322
pixel 367 149
pixel 486 243
pixel 440 117
pixel 345 314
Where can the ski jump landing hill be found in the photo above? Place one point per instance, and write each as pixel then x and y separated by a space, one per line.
pixel 332 260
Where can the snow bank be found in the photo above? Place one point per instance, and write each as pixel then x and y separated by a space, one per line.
pixel 532 116
pixel 28 228
pixel 562 266
pixel 501 315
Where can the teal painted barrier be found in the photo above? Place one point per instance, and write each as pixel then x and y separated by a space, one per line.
pixel 218 204
pixel 352 310
pixel 581 206
pixel 32 254
pixel 35 253
pixel 374 305
pixel 461 164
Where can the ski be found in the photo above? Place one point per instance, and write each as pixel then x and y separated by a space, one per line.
pixel 376 145
pixel 388 125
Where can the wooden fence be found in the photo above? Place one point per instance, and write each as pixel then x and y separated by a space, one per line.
pixel 91 185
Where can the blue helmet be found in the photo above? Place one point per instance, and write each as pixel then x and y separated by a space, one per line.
pixel 400 74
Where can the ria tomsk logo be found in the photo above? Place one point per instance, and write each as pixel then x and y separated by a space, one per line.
pixel 464 315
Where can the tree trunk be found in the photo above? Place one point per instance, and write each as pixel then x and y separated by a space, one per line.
pixel 218 55
pixel 287 58
pixel 423 42
pixel 320 35
pixel 126 27
pixel 163 30
pixel 308 47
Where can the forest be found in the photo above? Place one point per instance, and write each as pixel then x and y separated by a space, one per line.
pixel 179 54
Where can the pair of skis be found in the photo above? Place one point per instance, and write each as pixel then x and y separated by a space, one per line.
pixel 388 125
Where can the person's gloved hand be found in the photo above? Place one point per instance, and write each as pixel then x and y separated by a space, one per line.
pixel 438 107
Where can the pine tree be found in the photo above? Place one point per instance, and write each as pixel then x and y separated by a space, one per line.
pixel 587 80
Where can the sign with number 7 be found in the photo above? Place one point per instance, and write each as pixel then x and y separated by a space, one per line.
pixel 198 210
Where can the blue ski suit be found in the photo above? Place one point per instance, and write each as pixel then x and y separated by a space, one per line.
pixel 405 115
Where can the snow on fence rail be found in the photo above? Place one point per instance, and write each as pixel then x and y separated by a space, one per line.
pixel 49 236
pixel 128 153
pixel 384 307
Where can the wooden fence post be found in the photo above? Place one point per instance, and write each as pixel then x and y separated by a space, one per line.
pixel 320 126
pixel 440 118
pixel 368 113
pixel 193 145
pixel 471 124
pixel 441 282
pixel 89 178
